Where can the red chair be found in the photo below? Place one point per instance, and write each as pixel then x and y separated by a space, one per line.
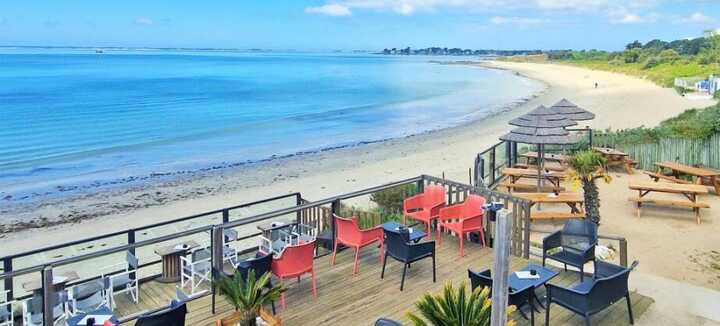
pixel 462 219
pixel 425 207
pixel 295 261
pixel 349 234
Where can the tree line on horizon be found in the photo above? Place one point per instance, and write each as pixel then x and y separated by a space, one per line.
pixel 456 52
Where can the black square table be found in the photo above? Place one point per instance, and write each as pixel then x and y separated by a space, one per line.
pixel 546 275
pixel 415 236
pixel 102 311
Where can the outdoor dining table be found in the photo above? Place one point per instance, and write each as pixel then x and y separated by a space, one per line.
pixel 531 157
pixel 544 275
pixel 514 174
pixel 415 234
pixel 616 157
pixel 689 191
pixel 59 281
pixel 699 174
pixel 171 260
pixel 101 314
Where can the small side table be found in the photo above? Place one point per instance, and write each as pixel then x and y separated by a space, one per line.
pixel 171 260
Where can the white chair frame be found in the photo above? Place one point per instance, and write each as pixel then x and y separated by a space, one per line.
pixel 195 277
pixel 5 303
pixel 132 288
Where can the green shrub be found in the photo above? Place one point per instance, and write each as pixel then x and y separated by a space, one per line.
pixel 391 200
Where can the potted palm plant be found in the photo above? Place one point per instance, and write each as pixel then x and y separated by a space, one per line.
pixel 588 166
pixel 247 296
pixel 456 307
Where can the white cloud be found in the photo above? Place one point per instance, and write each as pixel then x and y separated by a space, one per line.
pixel 697 18
pixel 617 11
pixel 144 21
pixel 330 9
pixel 519 21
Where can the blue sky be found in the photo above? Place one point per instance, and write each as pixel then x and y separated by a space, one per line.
pixel 354 24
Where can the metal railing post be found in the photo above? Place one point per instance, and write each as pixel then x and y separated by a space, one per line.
pixel 225 216
pixel 508 154
pixel 590 136
pixel 8 267
pixel 298 202
pixel 492 166
pixel 131 240
pixel 514 153
pixel 623 253
pixel 501 267
pixel 216 243
pixel 48 292
pixel 482 170
pixel 334 210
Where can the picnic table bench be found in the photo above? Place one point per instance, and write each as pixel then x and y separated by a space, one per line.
pixel 546 167
pixel 559 158
pixel 513 175
pixel 690 192
pixel 573 199
pixel 615 157
pixel 701 176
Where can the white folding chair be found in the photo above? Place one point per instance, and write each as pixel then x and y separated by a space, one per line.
pixel 33 310
pixel 195 269
pixel 125 281
pixel 88 297
pixel 230 253
pixel 6 309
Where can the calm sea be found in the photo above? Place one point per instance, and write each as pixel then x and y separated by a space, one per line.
pixel 76 118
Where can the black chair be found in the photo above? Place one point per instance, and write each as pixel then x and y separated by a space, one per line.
pixel 575 244
pixel 518 298
pixel 172 316
pixel 594 295
pixel 386 322
pixel 261 264
pixel 398 246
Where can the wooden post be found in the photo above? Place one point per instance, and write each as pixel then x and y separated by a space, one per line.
pixel 501 268
pixel 216 245
pixel 48 291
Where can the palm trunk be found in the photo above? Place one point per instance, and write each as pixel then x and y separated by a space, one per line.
pixel 592 200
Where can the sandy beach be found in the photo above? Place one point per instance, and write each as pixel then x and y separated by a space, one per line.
pixel 619 102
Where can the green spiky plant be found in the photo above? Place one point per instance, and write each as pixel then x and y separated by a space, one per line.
pixel 454 307
pixel 248 296
pixel 588 166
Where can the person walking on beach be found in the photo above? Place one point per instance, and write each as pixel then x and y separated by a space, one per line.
pixel 596 84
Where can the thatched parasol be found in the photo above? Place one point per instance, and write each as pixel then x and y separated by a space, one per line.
pixel 572 111
pixel 541 127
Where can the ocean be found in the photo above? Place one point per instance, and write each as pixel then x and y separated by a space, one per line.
pixel 75 120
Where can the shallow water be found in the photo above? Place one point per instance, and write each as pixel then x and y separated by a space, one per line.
pixel 74 117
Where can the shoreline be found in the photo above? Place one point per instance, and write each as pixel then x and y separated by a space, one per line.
pixel 145 184
pixel 449 151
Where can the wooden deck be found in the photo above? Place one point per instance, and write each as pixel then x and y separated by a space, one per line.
pixel 344 299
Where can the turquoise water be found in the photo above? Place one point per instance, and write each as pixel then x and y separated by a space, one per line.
pixel 74 118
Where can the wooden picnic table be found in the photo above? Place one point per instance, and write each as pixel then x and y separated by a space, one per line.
pixel 171 266
pixel 690 192
pixel 574 200
pixel 514 174
pixel 711 178
pixel 559 158
pixel 616 157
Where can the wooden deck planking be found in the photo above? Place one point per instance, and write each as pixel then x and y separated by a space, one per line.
pixel 344 299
